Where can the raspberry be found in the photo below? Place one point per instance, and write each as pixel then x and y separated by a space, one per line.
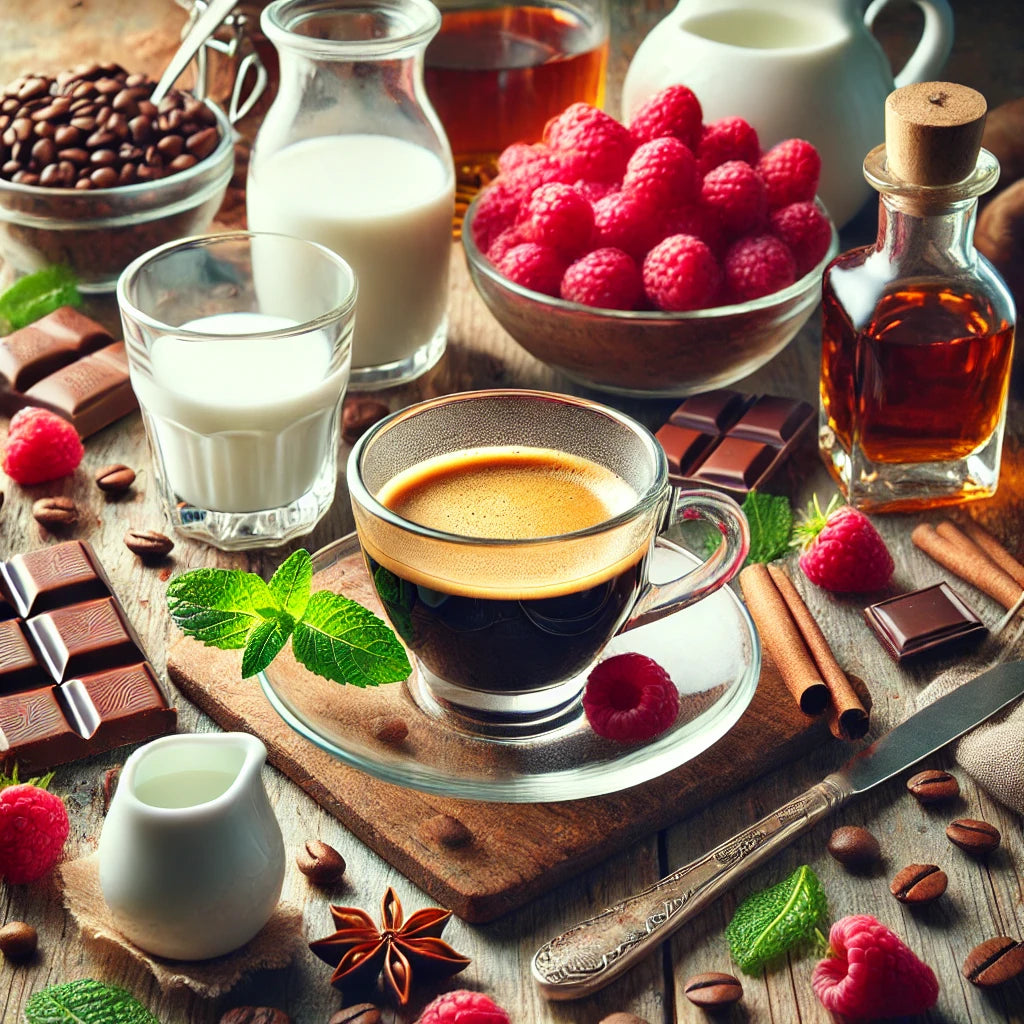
pixel 592 191
pixel 521 154
pixel 673 111
pixel 463 1007
pixel 758 265
pixel 33 827
pixel 604 278
pixel 496 211
pixel 872 974
pixel 701 222
pixel 663 172
pixel 735 193
pixel 530 175
pixel 40 446
pixel 623 221
pixel 533 266
pixel 590 143
pixel 559 216
pixel 807 232
pixel 843 551
pixel 790 172
pixel 730 138
pixel 681 273
pixel 508 239
pixel 630 697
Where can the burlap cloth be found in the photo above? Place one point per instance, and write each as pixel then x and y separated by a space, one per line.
pixel 273 947
pixel 993 752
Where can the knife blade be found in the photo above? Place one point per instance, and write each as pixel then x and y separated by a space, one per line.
pixel 591 954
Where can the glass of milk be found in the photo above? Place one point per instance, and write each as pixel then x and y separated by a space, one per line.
pixel 353 156
pixel 240 348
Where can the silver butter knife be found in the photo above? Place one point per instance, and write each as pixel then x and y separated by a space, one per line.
pixel 593 953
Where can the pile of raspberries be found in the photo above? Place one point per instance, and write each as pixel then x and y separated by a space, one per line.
pixel 667 213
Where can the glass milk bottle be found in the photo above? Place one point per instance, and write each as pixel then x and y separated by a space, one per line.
pixel 352 155
pixel 918 328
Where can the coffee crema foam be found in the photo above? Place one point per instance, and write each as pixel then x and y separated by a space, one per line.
pixel 508 493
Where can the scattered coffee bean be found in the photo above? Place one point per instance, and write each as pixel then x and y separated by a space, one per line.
pixel 115 479
pixel 321 863
pixel 358 415
pixel 973 836
pixel 18 941
pixel 854 847
pixel 148 543
pixel 994 962
pixel 933 786
pixel 713 989
pixel 919 883
pixel 55 513
pixel 622 1018
pixel 447 831
pixel 389 728
pixel 255 1015
pixel 361 1013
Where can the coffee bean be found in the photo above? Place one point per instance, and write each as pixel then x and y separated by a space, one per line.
pixel 84 184
pixel 919 883
pixel 148 543
pixel 141 128
pixel 75 155
pixel 854 847
pixel 55 513
pixel 321 863
pixel 26 178
pixel 104 177
pixel 973 836
pixel 203 143
pixel 933 786
pixel 447 831
pixel 32 88
pixel 170 146
pixel 127 175
pixel 994 962
pixel 18 941
pixel 622 1018
pixel 361 1013
pixel 255 1015
pixel 44 151
pixel 358 415
pixel 182 163
pixel 50 176
pixel 102 157
pixel 389 728
pixel 115 478
pixel 713 989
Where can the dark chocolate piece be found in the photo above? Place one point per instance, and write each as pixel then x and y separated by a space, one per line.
pixel 68 364
pixel 923 620
pixel 732 441
pixel 74 679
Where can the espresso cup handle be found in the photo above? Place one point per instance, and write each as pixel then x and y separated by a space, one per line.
pixel 660 599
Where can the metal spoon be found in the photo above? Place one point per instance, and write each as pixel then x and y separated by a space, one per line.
pixel 202 28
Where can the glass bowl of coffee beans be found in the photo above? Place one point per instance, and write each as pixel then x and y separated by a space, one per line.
pixel 93 174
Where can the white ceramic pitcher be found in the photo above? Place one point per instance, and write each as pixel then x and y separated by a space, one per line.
pixel 807 69
pixel 191 855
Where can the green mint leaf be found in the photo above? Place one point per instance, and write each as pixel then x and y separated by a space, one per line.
pixel 290 584
pixel 264 643
pixel 771 525
pixel 34 296
pixel 769 922
pixel 219 607
pixel 86 1001
pixel 341 640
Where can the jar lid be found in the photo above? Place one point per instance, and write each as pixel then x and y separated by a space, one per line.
pixel 933 132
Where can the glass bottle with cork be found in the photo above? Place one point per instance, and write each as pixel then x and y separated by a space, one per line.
pixel 918 328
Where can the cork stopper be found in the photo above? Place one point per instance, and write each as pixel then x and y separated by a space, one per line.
pixel 933 132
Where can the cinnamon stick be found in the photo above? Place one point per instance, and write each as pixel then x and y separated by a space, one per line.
pixel 783 640
pixel 969 563
pixel 995 551
pixel 848 718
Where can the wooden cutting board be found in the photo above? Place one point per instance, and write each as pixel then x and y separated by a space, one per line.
pixel 516 851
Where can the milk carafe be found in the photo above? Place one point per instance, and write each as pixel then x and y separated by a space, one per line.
pixel 807 69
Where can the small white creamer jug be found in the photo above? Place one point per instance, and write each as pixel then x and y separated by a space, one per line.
pixel 808 69
pixel 191 855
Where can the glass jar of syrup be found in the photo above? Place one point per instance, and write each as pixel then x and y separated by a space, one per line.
pixel 918 328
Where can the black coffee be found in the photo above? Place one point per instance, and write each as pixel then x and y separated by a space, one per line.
pixel 509 620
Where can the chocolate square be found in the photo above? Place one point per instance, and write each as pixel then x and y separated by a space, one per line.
pixel 923 620
pixel 711 412
pixel 34 731
pixel 772 420
pixel 683 446
pixel 82 638
pixel 57 339
pixel 735 463
pixel 19 667
pixel 53 576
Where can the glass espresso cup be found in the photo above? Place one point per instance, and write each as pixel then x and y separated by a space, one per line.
pixel 508 535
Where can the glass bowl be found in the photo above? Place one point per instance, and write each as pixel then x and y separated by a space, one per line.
pixel 98 232
pixel 646 353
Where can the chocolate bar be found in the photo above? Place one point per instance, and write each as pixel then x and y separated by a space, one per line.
pixel 924 620
pixel 68 364
pixel 74 678
pixel 730 440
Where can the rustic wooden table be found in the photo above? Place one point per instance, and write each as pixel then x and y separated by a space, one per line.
pixel 984 898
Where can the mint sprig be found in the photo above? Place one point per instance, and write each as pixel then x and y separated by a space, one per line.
pixel 86 1001
pixel 770 518
pixel 32 297
pixel 332 635
pixel 769 922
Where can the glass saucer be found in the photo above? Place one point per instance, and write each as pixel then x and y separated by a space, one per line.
pixel 710 650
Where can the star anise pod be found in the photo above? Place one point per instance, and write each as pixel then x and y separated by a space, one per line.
pixel 359 951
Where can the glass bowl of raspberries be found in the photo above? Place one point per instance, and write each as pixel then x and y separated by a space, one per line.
pixel 658 258
pixel 92 174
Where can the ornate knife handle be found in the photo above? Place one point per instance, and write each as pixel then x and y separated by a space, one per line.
pixel 591 954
